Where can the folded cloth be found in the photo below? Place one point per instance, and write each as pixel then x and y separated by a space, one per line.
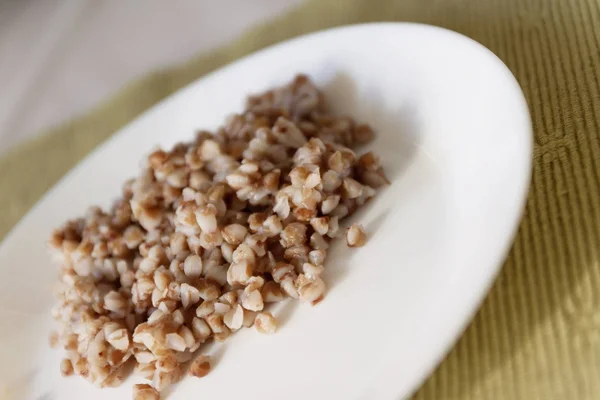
pixel 537 336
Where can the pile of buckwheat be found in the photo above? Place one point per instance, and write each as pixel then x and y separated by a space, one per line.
pixel 206 236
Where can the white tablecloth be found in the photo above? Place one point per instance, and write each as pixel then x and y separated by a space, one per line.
pixel 59 58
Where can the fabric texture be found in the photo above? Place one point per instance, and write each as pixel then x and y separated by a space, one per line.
pixel 537 335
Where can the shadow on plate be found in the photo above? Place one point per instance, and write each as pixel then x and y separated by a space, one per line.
pixel 396 142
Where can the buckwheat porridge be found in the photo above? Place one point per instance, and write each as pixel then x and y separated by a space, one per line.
pixel 208 235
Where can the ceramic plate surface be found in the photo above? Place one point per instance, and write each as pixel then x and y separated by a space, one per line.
pixel 455 137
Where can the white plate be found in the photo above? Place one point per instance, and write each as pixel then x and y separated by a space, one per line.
pixel 455 137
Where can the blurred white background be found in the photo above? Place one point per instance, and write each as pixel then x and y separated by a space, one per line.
pixel 59 58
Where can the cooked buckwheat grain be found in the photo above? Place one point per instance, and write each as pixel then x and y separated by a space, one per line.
pixel 356 236
pixel 208 235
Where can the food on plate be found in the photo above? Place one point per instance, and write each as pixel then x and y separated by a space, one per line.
pixel 207 236
pixel 356 236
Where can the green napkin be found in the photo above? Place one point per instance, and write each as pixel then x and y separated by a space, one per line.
pixel 537 335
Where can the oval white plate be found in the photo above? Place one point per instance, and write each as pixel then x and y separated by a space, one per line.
pixel 455 138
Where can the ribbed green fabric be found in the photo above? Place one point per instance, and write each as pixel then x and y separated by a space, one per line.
pixel 537 335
